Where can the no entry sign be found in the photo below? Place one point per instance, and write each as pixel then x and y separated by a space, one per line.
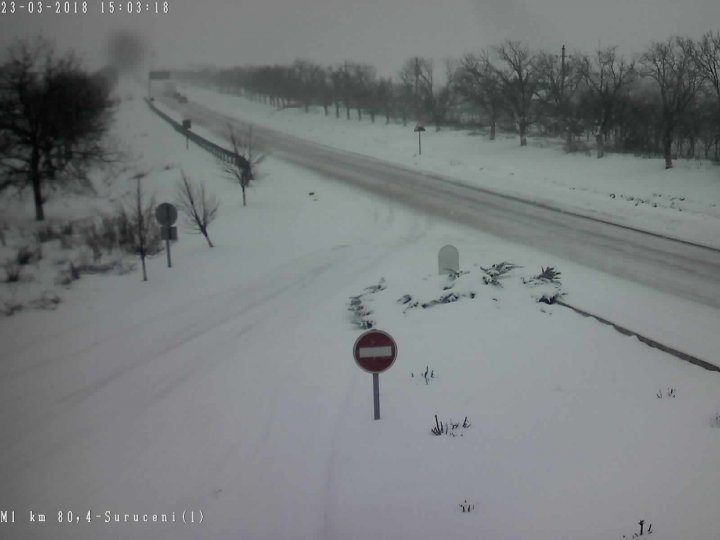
pixel 375 351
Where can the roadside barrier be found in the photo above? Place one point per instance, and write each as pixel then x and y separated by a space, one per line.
pixel 216 150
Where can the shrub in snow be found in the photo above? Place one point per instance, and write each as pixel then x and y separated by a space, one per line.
pixel 26 255
pixel 13 271
pixel 643 530
pixel 360 310
pixel 449 428
pixel 670 393
pixel 425 375
pixel 47 300
pixel 496 272
pixel 10 306
pixel 67 228
pixel 67 276
pixel 66 241
pixel 715 422
pixel 548 283
pixel 46 233
pixel 547 275
pixel 467 507
pixel 447 298
pixel 408 302
pixel 381 286
pixel 361 313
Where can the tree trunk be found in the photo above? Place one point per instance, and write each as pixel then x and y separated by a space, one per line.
pixel 337 109
pixel 492 128
pixel 325 108
pixel 600 145
pixel 667 148
pixel 347 111
pixel 523 132
pixel 35 180
pixel 359 113
pixel 207 237
pixel 243 190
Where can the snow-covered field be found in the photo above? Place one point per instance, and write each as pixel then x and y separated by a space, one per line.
pixel 683 202
pixel 226 384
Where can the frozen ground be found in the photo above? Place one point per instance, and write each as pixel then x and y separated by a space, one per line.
pixel 683 202
pixel 226 384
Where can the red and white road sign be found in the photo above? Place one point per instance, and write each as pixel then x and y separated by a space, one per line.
pixel 375 351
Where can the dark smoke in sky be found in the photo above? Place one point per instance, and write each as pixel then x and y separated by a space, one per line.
pixel 126 51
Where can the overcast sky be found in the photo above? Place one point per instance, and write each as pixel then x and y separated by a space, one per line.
pixel 382 32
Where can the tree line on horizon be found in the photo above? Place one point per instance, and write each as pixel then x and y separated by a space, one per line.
pixel 663 102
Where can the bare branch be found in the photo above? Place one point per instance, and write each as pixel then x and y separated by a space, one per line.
pixel 198 207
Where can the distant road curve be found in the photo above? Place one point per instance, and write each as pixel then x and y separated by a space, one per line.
pixel 684 269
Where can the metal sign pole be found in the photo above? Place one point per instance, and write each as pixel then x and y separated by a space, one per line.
pixel 376 394
pixel 167 236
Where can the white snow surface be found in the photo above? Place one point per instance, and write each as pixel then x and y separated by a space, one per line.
pixel 226 384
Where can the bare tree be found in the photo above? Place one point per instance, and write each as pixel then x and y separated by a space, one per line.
pixel 708 60
pixel 198 207
pixel 245 160
pixel 416 76
pixel 607 78
pixel 442 98
pixel 138 227
pixel 519 79
pixel 560 81
pixel 477 82
pixel 672 65
pixel 53 116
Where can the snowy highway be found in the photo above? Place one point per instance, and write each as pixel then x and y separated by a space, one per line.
pixel 676 267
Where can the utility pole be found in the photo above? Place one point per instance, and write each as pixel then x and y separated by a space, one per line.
pixel 562 73
pixel 417 79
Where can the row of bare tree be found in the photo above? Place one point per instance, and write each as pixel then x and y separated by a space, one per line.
pixel 665 101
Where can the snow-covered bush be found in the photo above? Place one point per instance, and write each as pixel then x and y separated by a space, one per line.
pixel 47 300
pixel 27 255
pixel 46 233
pixel 13 271
pixel 497 272
pixel 9 306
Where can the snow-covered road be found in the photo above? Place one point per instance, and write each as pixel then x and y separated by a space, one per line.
pixel 680 268
pixel 107 404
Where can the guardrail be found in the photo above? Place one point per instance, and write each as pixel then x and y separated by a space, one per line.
pixel 216 150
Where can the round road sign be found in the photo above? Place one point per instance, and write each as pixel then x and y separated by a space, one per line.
pixel 166 214
pixel 375 351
